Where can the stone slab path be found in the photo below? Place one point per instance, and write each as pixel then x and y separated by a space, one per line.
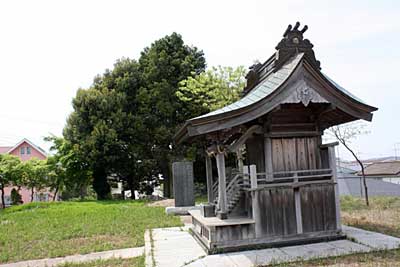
pixel 175 247
pixel 103 255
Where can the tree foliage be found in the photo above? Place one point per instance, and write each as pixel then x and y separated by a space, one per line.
pixel 95 127
pixel 163 66
pixel 8 173
pixel 33 174
pixel 68 170
pixel 212 89
pixel 123 124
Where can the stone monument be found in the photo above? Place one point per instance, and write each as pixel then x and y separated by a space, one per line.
pixel 183 183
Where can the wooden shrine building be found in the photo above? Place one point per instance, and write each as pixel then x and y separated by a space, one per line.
pixel 283 188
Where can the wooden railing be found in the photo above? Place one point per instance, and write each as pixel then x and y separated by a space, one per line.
pixel 289 177
pixel 234 184
pixel 296 176
pixel 243 180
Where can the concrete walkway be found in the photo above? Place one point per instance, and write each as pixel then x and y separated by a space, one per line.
pixel 175 247
pixel 103 255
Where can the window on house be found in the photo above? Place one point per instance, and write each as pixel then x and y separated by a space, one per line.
pixel 22 150
pixel 28 150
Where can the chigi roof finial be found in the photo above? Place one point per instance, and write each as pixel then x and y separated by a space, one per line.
pixel 293 43
pixel 295 29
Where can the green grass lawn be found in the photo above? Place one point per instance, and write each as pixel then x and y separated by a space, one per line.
pixel 201 200
pixel 40 230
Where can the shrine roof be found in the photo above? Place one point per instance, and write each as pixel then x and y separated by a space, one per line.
pixel 262 90
pixel 292 67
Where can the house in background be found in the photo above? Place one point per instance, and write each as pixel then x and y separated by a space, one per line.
pixel 382 177
pixel 388 171
pixel 26 150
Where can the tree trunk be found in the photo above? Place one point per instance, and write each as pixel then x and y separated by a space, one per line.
pixel 167 180
pixel 131 185
pixel 55 194
pixel 82 192
pixel 362 171
pixel 365 184
pixel 3 204
pixel 32 192
pixel 100 184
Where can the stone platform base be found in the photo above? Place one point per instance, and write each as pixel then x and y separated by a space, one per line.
pixel 187 252
pixel 181 210
pixel 236 234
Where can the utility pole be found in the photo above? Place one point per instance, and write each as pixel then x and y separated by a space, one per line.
pixel 396 149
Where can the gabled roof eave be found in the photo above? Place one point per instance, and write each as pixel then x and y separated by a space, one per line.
pixel 30 143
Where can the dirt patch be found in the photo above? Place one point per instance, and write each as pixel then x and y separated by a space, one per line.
pixel 163 203
pixel 385 221
pixel 186 219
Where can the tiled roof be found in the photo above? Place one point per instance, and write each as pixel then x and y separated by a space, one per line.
pixel 262 90
pixel 383 168
pixel 343 89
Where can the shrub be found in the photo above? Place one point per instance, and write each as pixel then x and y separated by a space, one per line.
pixel 16 198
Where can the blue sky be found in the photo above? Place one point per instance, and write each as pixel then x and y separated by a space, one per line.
pixel 49 49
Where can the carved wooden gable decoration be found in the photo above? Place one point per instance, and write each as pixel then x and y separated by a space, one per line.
pixel 292 75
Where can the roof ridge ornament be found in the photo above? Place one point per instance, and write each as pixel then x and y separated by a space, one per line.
pixel 294 43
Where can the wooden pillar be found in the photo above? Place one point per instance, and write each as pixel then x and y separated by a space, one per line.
pixel 253 176
pixel 222 199
pixel 239 156
pixel 255 205
pixel 268 158
pixel 332 166
pixel 210 193
pixel 297 204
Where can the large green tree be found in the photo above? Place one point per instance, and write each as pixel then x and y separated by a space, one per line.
pixel 8 173
pixel 94 128
pixel 135 164
pixel 163 66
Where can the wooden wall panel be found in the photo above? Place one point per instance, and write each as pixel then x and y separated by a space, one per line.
pixel 277 155
pixel 277 215
pixel 289 153
pixel 318 208
pixel 297 153
pixel 302 159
